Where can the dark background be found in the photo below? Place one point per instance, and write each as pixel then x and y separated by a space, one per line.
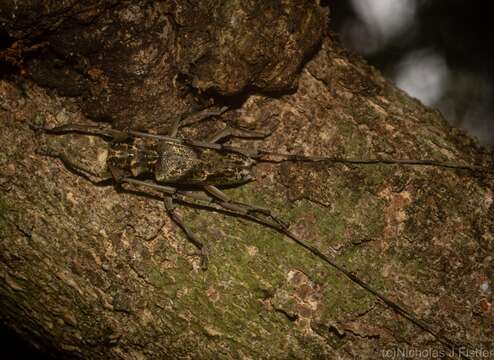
pixel 437 50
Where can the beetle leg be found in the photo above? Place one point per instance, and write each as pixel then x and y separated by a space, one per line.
pixel 116 135
pixel 221 201
pixel 84 173
pixel 175 216
pixel 228 131
pixel 173 192
pixel 218 200
pixel 194 118
pixel 244 208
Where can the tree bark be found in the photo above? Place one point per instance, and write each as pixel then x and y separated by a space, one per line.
pixel 96 272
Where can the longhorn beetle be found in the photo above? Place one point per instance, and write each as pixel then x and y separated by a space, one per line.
pixel 166 163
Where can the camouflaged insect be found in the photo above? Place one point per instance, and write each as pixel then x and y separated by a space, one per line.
pixel 134 156
pixel 173 163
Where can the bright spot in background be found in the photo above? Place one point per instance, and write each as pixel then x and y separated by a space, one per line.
pixel 423 74
pixel 464 98
pixel 379 21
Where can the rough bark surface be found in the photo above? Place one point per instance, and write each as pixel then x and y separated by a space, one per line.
pixel 101 273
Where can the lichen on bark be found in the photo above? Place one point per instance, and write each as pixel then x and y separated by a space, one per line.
pixel 100 273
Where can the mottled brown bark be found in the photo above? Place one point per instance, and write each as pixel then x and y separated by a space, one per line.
pixel 100 273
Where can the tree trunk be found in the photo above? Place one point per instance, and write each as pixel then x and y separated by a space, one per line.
pixel 100 272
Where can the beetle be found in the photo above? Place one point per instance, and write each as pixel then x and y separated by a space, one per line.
pixel 172 165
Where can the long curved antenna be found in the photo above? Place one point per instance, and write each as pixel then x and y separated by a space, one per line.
pixel 277 224
pixel 259 155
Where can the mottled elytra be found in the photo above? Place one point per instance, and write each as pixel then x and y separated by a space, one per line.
pixel 175 163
